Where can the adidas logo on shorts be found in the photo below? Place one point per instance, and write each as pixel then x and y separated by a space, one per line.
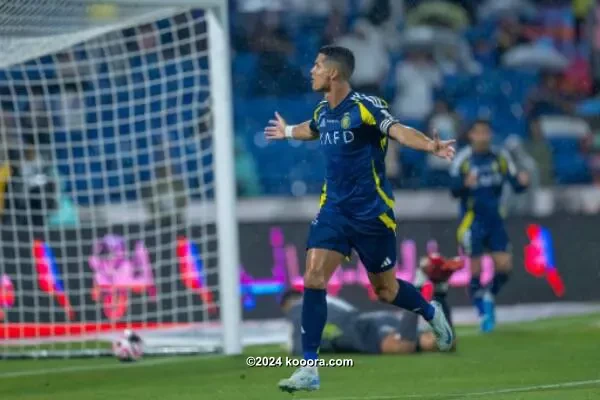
pixel 386 263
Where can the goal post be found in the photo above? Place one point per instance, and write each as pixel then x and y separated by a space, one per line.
pixel 229 259
pixel 106 102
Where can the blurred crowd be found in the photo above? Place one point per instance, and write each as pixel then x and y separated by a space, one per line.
pixel 120 117
pixel 527 66
pixel 126 116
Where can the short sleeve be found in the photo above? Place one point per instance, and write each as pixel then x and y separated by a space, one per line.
pixel 375 111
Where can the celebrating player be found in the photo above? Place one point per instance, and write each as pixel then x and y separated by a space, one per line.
pixel 357 205
pixel 479 173
pixel 378 332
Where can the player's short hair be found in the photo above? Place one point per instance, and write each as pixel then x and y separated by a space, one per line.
pixel 342 56
pixel 289 295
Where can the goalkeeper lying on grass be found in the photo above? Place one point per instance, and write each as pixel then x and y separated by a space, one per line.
pixel 349 330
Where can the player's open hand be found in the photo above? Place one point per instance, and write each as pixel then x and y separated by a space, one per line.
pixel 443 148
pixel 276 128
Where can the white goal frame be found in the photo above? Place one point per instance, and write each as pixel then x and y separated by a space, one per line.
pixel 224 162
pixel 225 192
pixel 225 188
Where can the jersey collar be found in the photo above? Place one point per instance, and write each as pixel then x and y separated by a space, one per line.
pixel 342 103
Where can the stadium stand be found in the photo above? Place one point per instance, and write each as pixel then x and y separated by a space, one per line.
pixel 488 84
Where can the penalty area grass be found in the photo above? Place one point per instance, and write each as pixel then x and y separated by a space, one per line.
pixel 555 358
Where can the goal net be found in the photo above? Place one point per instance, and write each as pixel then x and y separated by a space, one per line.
pixel 116 178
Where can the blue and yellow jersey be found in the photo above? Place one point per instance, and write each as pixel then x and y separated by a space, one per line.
pixel 354 140
pixel 493 169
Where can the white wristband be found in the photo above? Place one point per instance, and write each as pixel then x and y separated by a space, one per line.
pixel 289 131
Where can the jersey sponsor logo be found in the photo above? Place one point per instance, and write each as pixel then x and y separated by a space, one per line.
pixel 337 137
pixel 488 176
pixel 490 180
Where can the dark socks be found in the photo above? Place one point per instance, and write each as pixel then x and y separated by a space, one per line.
pixel 314 317
pixel 409 298
pixel 500 278
pixel 476 293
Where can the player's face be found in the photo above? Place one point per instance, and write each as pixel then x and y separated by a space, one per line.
pixel 480 137
pixel 320 74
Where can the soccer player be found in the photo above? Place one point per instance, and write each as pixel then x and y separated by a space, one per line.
pixel 357 205
pixel 479 173
pixel 348 330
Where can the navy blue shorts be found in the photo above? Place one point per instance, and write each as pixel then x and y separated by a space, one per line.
pixel 374 240
pixel 477 235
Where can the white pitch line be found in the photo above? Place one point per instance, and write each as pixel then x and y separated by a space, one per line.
pixel 115 365
pixel 467 394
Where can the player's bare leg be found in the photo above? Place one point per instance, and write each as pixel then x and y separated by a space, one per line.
pixel 502 269
pixel 404 295
pixel 320 266
pixel 503 264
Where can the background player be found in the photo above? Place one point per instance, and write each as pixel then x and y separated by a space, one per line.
pixel 479 173
pixel 357 201
pixel 349 330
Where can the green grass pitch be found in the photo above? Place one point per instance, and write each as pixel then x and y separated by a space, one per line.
pixel 548 359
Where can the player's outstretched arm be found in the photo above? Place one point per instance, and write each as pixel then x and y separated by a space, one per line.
pixel 419 141
pixel 278 129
